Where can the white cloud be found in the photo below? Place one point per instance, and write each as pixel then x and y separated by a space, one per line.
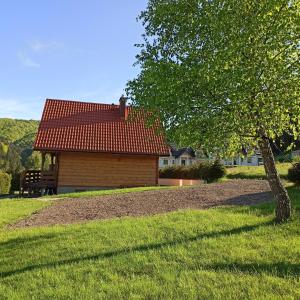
pixel 27 61
pixel 38 46
pixel 35 47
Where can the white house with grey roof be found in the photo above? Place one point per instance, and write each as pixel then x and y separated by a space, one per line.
pixel 178 157
pixel 250 160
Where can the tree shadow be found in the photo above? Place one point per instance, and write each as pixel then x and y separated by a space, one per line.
pixel 262 203
pixel 140 248
pixel 254 203
pixel 20 241
pixel 279 269
pixel 250 199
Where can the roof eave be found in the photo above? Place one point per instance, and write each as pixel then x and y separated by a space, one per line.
pixel 96 151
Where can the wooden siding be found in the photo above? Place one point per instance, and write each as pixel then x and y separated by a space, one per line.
pixel 106 170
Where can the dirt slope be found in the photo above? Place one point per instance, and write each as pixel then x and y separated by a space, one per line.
pixel 235 192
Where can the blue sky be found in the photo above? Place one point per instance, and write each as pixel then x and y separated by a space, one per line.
pixel 65 49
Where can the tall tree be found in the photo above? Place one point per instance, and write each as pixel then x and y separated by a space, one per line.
pixel 33 161
pixel 223 75
pixel 13 161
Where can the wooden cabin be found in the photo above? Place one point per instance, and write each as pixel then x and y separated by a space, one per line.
pixel 97 146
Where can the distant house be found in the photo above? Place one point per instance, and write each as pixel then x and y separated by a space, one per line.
pixel 250 160
pixel 178 157
pixel 95 146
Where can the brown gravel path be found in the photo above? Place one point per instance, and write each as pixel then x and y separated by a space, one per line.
pixel 235 192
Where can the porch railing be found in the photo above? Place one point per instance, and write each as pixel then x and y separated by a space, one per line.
pixel 38 182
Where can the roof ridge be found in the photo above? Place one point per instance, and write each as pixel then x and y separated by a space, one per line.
pixel 80 101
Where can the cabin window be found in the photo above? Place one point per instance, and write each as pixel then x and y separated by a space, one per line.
pixel 165 162
pixel 173 162
pixel 183 162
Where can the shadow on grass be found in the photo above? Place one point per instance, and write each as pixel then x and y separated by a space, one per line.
pixel 249 175
pixel 249 199
pixel 141 248
pixel 243 175
pixel 30 240
pixel 279 269
pixel 267 205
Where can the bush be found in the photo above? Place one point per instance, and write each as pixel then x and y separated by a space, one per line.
pixel 167 172
pixel 174 172
pixel 284 158
pixel 5 180
pixel 198 170
pixel 294 174
pixel 206 171
pixel 214 171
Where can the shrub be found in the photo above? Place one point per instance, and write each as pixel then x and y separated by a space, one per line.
pixel 174 172
pixel 284 157
pixel 294 173
pixel 214 171
pixel 184 172
pixel 167 172
pixel 197 171
pixel 203 170
pixel 5 180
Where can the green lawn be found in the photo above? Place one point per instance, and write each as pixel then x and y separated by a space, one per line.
pixel 256 172
pixel 223 253
pixel 109 192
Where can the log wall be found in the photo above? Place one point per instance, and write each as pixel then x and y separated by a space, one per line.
pixel 106 170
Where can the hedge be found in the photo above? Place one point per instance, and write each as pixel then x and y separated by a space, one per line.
pixel 5 181
pixel 294 173
pixel 203 170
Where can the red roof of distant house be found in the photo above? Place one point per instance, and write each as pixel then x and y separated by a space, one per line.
pixel 92 127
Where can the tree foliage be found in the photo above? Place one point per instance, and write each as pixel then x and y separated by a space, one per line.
pixel 16 141
pixel 5 180
pixel 34 161
pixel 220 72
pixel 223 75
pixel 13 163
pixel 13 130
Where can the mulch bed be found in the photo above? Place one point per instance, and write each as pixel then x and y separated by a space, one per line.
pixel 66 211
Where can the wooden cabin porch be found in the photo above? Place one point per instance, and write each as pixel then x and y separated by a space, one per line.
pixel 43 181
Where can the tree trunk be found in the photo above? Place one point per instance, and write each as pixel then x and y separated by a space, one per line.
pixel 283 203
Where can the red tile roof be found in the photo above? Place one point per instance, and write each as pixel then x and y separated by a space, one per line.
pixel 92 127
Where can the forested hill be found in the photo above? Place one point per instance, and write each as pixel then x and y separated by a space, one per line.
pixel 13 130
pixel 16 141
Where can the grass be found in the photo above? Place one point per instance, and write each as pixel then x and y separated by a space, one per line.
pixel 256 172
pixel 109 192
pixel 233 252
pixel 13 210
